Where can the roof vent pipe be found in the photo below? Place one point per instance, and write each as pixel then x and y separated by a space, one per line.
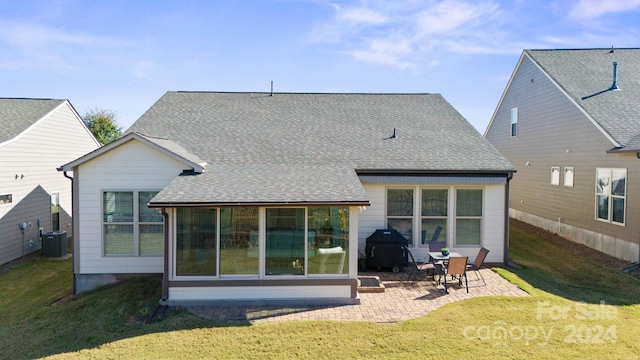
pixel 614 86
pixel 271 94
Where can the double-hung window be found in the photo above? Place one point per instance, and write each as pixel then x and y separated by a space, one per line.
pixel 469 216
pixel 435 204
pixel 611 192
pixel 400 212
pixel 130 227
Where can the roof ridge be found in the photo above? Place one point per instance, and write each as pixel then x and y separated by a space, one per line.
pixel 298 93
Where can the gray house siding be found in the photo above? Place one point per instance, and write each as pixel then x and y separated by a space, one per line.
pixel 554 132
pixel 28 172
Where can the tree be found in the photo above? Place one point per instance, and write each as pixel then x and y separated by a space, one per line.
pixel 102 124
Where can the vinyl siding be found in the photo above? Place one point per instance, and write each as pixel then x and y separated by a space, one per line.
pixel 34 155
pixel 553 131
pixel 373 217
pixel 131 166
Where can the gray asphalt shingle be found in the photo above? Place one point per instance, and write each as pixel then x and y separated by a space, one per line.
pixel 587 74
pixel 16 115
pixel 300 143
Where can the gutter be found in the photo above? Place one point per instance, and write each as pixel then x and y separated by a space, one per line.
pixel 506 220
pixel 73 250
pixel 165 272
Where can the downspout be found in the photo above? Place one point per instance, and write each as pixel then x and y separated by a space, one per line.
pixel 73 250
pixel 165 272
pixel 506 220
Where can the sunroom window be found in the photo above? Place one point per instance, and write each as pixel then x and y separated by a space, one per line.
pixel 296 241
pixel 196 241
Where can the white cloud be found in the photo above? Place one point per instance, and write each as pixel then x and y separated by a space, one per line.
pixel 359 15
pixel 404 33
pixel 589 9
pixel 451 15
pixel 33 46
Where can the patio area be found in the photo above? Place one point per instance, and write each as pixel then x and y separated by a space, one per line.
pixel 402 299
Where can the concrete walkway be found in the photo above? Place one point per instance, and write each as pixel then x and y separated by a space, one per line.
pixel 402 299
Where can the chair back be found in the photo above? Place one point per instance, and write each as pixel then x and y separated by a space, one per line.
pixel 457 265
pixel 411 256
pixel 482 254
pixel 436 245
pixel 436 234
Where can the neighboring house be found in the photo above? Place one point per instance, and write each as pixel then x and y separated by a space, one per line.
pixel 273 196
pixel 36 135
pixel 569 120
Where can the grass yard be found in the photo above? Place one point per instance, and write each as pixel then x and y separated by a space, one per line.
pixel 580 307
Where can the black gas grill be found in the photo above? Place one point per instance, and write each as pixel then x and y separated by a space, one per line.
pixel 385 248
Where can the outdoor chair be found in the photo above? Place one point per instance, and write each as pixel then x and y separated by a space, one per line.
pixel 475 266
pixel 429 268
pixel 436 246
pixel 457 268
pixel 435 236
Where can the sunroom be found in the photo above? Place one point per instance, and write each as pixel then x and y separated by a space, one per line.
pixel 259 240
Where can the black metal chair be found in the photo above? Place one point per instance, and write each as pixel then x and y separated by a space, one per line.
pixel 428 267
pixel 475 266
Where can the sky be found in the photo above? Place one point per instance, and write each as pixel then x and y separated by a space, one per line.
pixel 123 55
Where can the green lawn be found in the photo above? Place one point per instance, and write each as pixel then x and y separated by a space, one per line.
pixel 579 308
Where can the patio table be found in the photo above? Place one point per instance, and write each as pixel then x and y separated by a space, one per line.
pixel 437 256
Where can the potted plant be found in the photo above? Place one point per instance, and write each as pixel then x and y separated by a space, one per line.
pixel 445 251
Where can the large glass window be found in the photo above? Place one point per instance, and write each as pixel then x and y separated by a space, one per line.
pixel 196 241
pixel 239 241
pixel 285 241
pixel 468 217
pixel 297 241
pixel 129 234
pixel 400 212
pixel 611 190
pixel 328 239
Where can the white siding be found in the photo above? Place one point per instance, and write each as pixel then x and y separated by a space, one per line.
pixel 34 156
pixel 131 166
pixel 493 220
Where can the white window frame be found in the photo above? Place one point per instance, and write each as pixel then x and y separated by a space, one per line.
pixel 555 175
pixel 455 217
pixel 412 217
pixel 568 179
pixel 446 217
pixel 135 223
pixel 610 196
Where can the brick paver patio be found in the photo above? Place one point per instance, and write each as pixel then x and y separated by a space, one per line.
pixel 402 299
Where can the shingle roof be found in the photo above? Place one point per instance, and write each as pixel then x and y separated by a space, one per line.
pixel 265 184
pixel 16 115
pixel 587 74
pixel 290 135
